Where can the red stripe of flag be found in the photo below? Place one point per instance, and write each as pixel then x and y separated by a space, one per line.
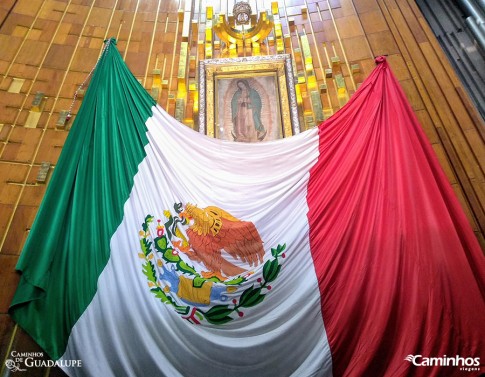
pixel 399 268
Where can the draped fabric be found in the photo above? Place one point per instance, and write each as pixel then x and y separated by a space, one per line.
pixel 388 234
pixel 339 251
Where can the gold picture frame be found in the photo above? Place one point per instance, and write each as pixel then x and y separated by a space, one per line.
pixel 248 99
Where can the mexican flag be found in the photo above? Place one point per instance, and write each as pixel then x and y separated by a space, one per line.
pixel 340 251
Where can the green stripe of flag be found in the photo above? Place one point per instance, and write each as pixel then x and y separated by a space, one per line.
pixel 68 245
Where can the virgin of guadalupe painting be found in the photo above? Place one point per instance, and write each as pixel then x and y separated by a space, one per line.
pixel 248 108
pixel 248 99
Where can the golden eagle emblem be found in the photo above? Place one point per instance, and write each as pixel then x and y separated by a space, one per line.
pixel 213 230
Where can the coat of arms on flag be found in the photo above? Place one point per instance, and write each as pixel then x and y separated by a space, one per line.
pixel 216 291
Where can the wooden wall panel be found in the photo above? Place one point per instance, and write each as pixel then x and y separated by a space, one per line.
pixel 450 111
pixel 54 44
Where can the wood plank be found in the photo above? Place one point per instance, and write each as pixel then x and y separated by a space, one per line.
pixel 19 229
pixel 8 280
pixel 58 56
pixel 454 103
pixel 5 9
pixel 33 192
pixel 21 144
pixel 412 94
pixel 27 7
pixel 383 43
pixel 473 201
pixel 11 177
pixel 10 46
pixel 363 6
pixel 51 146
pixel 349 27
pixel 356 48
pixel 6 210
pixel 373 22
pixel 32 52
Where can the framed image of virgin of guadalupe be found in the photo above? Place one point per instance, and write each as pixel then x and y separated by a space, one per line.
pixel 248 99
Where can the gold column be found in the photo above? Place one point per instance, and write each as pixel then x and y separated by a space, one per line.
pixel 209 32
